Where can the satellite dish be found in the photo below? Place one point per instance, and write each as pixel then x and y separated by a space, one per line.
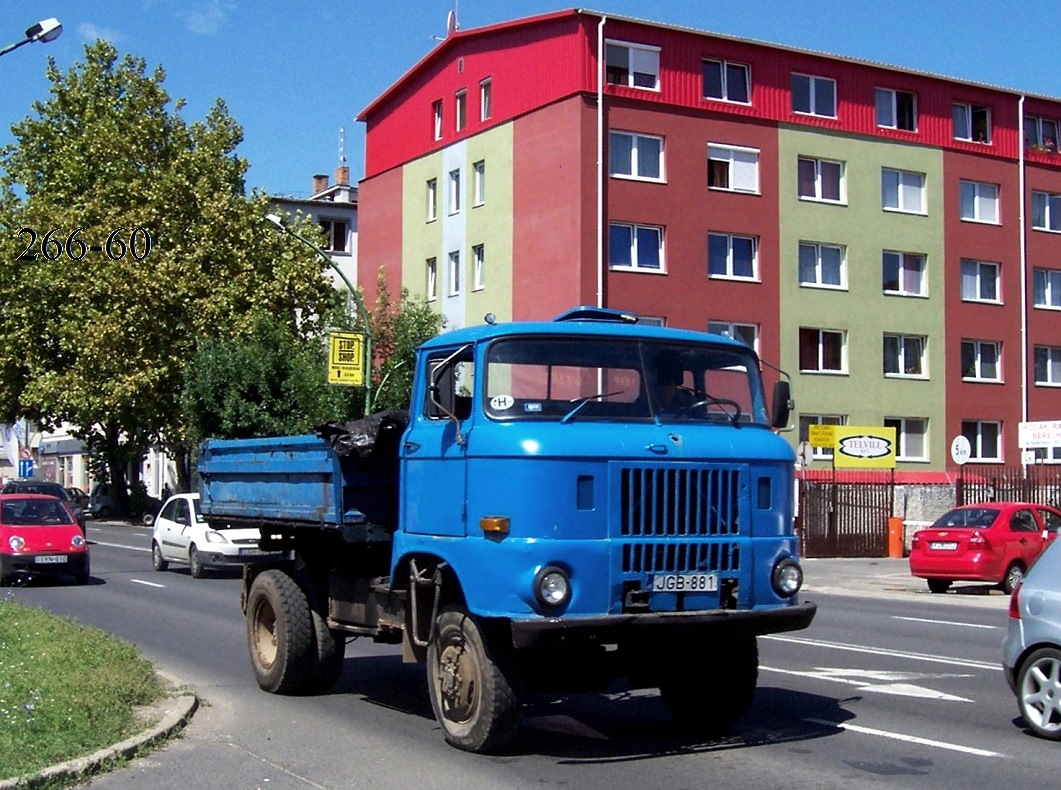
pixel 451 23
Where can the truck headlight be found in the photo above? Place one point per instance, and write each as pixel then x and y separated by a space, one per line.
pixel 787 577
pixel 552 588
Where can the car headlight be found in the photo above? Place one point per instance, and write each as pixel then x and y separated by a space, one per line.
pixel 16 543
pixel 213 536
pixel 552 587
pixel 77 541
pixel 787 577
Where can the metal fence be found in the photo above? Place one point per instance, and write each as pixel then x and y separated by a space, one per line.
pixel 1040 484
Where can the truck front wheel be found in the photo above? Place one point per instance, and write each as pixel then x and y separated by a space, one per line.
pixel 471 693
pixel 709 694
pixel 280 634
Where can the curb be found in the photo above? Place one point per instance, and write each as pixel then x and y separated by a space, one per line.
pixel 177 711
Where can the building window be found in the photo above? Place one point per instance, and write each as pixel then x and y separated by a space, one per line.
pixel 454 191
pixel 733 169
pixel 1047 288
pixel 896 110
pixel 335 233
pixel 980 281
pixel 821 351
pixel 432 199
pixel 485 100
pixel 436 112
pixel 814 95
pixel 748 334
pixel 478 267
pixel 911 437
pixel 432 279
pixel 807 420
pixel 1048 365
pixel 1040 133
pixel 1046 211
pixel 651 320
pixel 637 247
pixel 727 81
pixel 821 265
pixel 972 122
pixel 984 438
pixel 902 190
pixel 479 183
pixel 821 179
pixel 904 356
pixel 979 201
pixel 454 273
pixel 637 156
pixel 632 65
pixel 461 109
pixel 903 273
pixel 980 361
pixel 731 257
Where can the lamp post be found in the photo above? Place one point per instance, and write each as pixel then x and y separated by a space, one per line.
pixel 44 31
pixel 352 291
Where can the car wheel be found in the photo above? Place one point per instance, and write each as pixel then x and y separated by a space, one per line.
pixel 1014 576
pixel 157 560
pixel 195 563
pixel 103 512
pixel 147 519
pixel 1039 692
pixel 939 585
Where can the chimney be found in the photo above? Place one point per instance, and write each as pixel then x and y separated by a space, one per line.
pixel 320 183
pixel 342 176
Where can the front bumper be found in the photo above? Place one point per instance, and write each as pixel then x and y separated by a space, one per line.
pixel 27 563
pixel 551 632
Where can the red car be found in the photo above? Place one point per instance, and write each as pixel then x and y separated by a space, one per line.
pixel 40 535
pixel 990 542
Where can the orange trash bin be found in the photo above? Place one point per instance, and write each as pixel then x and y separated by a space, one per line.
pixel 896 537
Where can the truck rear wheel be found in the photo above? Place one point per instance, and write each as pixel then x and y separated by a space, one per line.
pixel 471 694
pixel 709 695
pixel 331 651
pixel 280 634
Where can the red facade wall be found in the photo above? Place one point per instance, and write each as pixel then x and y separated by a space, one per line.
pixel 379 241
pixel 1044 325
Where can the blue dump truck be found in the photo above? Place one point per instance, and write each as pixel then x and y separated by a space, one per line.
pixel 566 505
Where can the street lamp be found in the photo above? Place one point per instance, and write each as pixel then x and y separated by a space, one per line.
pixel 44 31
pixel 282 226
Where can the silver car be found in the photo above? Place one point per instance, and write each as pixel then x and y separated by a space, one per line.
pixel 1031 651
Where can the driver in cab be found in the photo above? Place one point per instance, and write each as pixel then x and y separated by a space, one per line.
pixel 670 397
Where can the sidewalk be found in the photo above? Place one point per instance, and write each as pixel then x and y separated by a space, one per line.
pixel 885 577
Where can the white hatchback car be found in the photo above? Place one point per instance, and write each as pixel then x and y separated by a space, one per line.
pixel 182 535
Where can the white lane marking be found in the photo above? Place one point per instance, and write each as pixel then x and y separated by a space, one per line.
pixel 884 682
pixel 898 736
pixel 147 584
pixel 944 622
pixel 967 663
pixel 119 546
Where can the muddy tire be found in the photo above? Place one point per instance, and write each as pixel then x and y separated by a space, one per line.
pixel 331 651
pixel 280 634
pixel 472 694
pixel 709 697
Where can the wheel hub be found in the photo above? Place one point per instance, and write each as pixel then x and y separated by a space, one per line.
pixel 458 686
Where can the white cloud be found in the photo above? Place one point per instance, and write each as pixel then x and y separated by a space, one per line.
pixel 207 17
pixel 90 33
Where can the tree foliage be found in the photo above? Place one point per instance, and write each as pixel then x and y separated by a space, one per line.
pixel 99 340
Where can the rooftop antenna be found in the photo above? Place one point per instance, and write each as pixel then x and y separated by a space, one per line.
pixel 342 146
pixel 452 26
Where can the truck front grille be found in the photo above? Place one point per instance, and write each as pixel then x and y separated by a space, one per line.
pixel 665 501
pixel 681 557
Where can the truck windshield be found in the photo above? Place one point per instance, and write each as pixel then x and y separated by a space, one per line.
pixel 621 379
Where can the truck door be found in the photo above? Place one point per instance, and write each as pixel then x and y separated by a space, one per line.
pixel 434 454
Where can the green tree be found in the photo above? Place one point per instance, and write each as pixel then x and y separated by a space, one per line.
pixel 100 339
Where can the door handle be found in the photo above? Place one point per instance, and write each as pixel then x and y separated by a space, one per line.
pixel 412 447
pixel 658 449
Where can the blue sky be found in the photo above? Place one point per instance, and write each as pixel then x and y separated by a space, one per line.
pixel 295 73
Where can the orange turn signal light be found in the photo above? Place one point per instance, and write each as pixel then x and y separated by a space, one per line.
pixel 497 524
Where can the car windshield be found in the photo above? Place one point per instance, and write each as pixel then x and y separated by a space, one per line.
pixel 34 512
pixel 971 518
pixel 622 379
pixel 50 489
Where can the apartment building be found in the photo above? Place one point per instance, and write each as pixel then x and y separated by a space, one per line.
pixel 890 238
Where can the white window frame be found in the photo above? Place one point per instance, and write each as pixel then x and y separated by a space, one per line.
pixel 724 70
pixel 903 261
pixel 479 183
pixel 335 228
pixel 908 184
pixel 645 55
pixel 453 274
pixel 1052 360
pixel 729 273
pixel 985 271
pixel 901 353
pixel 455 191
pixel 977 348
pixel 431 265
pixel 737 331
pixel 815 84
pixel 636 157
pixel 741 167
pixel 460 110
pixel 821 369
pixel 486 98
pixel 1038 137
pixel 818 281
pixel 432 199
pixel 635 242
pixel 436 109
pixel 1046 211
pixel 837 420
pixel 818 163
pixel 1051 288
pixel 478 267
pixel 973 430
pixel 967 113
pixel 903 433
pixel 983 195
pixel 890 97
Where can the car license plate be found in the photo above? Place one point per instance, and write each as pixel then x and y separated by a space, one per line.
pixel 46 559
pixel 943 545
pixel 684 582
pixel 251 552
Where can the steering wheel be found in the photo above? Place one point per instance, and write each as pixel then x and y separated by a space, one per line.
pixel 711 401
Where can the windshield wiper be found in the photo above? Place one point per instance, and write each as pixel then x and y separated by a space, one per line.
pixel 580 402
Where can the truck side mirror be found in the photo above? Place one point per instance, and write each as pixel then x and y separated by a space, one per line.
pixel 782 404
